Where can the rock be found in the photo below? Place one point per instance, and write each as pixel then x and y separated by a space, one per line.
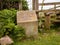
pixel 6 40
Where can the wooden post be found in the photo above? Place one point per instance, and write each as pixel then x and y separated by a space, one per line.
pixel 55 7
pixel 42 5
pixel 47 21
pixel 20 5
pixel 35 4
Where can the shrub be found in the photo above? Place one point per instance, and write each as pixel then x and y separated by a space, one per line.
pixel 8 25
pixel 14 31
pixel 9 15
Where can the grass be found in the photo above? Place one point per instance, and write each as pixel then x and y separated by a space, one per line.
pixel 52 38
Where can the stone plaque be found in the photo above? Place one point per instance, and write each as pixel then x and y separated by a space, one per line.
pixel 28 20
pixel 26 16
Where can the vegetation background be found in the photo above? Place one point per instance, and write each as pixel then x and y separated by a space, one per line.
pixel 8 26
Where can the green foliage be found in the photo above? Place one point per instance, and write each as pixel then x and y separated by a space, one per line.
pixel 8 25
pixel 8 15
pixel 14 31
pixel 24 5
pixel 44 39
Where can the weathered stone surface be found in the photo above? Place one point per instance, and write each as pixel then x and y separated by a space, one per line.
pixel 26 16
pixel 6 40
pixel 28 20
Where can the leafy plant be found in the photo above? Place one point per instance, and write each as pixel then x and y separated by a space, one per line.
pixel 8 25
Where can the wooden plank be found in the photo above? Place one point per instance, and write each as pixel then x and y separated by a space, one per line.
pixel 50 3
pixel 47 10
pixel 56 21
pixel 53 7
